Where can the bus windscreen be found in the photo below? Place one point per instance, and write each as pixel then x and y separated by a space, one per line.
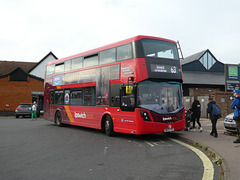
pixel 159 49
pixel 160 97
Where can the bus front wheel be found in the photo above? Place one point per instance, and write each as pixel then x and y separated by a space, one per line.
pixel 108 126
pixel 58 119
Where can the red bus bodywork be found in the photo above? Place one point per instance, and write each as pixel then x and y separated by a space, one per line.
pixel 130 122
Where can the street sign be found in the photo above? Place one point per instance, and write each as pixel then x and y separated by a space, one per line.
pixel 232 75
pixel 233 72
pixel 232 86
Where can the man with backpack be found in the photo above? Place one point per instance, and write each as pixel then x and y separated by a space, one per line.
pixel 215 114
pixel 236 106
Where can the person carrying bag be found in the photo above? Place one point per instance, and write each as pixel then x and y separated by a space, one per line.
pixel 236 106
pixel 215 114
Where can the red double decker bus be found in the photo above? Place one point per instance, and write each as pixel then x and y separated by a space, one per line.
pixel 133 86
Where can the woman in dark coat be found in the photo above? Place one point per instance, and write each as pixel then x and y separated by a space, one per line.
pixel 196 109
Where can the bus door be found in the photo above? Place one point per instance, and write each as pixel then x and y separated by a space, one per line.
pixel 128 97
pixel 126 121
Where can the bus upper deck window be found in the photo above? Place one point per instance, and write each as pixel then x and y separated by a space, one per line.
pixel 77 63
pixel 67 65
pixel 50 69
pixel 90 61
pixel 59 68
pixel 124 52
pixel 108 56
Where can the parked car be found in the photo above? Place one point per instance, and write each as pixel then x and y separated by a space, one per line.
pixel 230 123
pixel 24 109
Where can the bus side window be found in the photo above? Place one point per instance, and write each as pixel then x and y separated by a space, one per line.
pixel 58 97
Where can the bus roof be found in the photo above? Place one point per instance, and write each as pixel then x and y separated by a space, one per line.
pixel 119 43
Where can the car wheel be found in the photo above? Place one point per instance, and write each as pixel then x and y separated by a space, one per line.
pixel 108 126
pixel 17 116
pixel 58 119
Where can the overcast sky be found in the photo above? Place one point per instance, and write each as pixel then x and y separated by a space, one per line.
pixel 30 29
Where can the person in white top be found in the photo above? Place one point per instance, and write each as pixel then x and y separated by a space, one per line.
pixel 34 110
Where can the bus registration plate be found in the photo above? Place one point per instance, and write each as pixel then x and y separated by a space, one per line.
pixel 169 130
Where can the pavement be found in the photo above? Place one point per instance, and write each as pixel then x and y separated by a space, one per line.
pixel 223 146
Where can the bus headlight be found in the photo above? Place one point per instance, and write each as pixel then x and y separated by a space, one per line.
pixel 145 116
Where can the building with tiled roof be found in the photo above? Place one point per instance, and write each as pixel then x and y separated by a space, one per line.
pixel 202 74
pixel 22 82
pixel 8 66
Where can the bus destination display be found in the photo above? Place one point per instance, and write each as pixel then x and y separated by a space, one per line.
pixel 164 68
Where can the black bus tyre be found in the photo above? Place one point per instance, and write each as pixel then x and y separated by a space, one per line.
pixel 58 119
pixel 108 126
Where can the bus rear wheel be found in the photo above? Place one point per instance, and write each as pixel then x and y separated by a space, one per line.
pixel 108 126
pixel 58 119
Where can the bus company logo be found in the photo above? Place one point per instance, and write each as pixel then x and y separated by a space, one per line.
pixel 166 118
pixel 83 115
pixel 80 115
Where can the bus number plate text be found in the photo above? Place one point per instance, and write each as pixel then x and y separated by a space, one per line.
pixel 169 130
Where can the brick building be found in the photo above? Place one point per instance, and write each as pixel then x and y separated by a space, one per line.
pixel 16 88
pixel 22 82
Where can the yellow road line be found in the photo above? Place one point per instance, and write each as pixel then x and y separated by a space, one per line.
pixel 208 173
pixel 149 143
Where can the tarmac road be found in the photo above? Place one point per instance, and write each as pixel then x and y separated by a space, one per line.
pixel 41 150
pixel 223 146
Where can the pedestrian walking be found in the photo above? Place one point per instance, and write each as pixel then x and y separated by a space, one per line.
pixel 215 114
pixel 236 106
pixel 34 111
pixel 196 109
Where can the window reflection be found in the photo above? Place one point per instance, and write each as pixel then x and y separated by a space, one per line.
pixel 160 49
pixel 124 52
pixel 160 97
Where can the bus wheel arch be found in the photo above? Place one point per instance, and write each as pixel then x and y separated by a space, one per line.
pixel 107 125
pixel 58 118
